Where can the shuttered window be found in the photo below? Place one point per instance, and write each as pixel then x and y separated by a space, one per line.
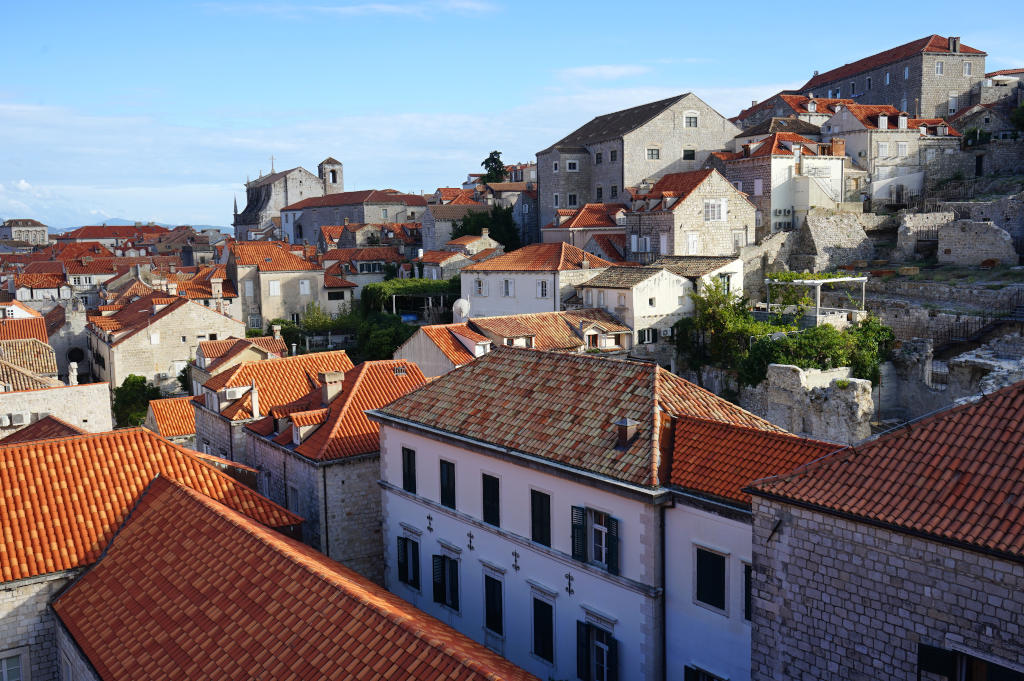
pixel 595 538
pixel 448 484
pixel 747 588
pixel 543 630
pixel 446 581
pixel 540 517
pixel 492 511
pixel 493 612
pixel 409 470
pixel 409 562
pixel 597 653
pixel 711 578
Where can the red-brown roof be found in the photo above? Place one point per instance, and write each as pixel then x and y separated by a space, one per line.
pixel 244 602
pixel 932 43
pixel 94 232
pixel 365 254
pixel 30 327
pixel 592 215
pixel 268 256
pixel 1005 72
pixel 443 336
pixel 772 145
pixel 440 257
pixel 47 428
pixel 333 277
pixel 612 245
pixel 62 500
pixel 174 416
pixel 561 407
pixel 539 258
pixel 213 349
pixel 199 285
pixel 868 115
pixel 362 196
pixel 549 330
pixel 956 476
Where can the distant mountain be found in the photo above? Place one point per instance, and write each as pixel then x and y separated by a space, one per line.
pixel 118 222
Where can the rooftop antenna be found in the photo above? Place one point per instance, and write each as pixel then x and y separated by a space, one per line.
pixel 271 164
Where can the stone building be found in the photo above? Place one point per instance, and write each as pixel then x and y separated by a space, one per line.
pixel 932 77
pixel 249 391
pixel 440 220
pixel 173 418
pixel 521 197
pixel 255 587
pixel 693 213
pixel 788 105
pixel 50 539
pixel 154 336
pixel 220 354
pixel 112 236
pixel 901 154
pixel 85 407
pixel 320 458
pixel 599 161
pixel 301 220
pixel 616 548
pixel 272 282
pixel 267 195
pixel 577 226
pixel 25 229
pixel 902 558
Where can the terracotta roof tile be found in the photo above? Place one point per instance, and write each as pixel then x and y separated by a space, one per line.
pixel 613 246
pixel 957 476
pixel 30 327
pixel 30 354
pixel 94 232
pixel 539 258
pixel 333 277
pixel 40 280
pixel 561 407
pixel 174 416
pixel 549 330
pixel 62 500
pixel 868 115
pixel 19 378
pixel 245 601
pixel 592 215
pixel 268 256
pixel 692 266
pixel 199 285
pixel 444 337
pixel 47 428
pixel 440 257
pixel 823 105
pixel 372 196
pixel 365 254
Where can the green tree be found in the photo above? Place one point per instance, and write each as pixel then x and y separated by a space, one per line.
pixel 315 320
pixel 184 379
pixel 1017 117
pixel 290 331
pixel 494 168
pixel 131 400
pixel 498 221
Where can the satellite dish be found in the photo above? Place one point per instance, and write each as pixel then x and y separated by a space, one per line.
pixel 460 311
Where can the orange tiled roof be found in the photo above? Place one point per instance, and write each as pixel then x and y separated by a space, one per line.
pixel 932 43
pixel 30 327
pixel 868 115
pixel 174 416
pixel 719 459
pixel 549 330
pixel 245 601
pixel 956 476
pixel 63 499
pixel 47 428
pixel 464 198
pixel 199 286
pixel 372 196
pixel 333 277
pixel 448 193
pixel 137 315
pixel 30 354
pixel 823 105
pixel 539 258
pixel 593 215
pixel 41 280
pixel 465 240
pixel 440 257
pixel 278 381
pixel 613 246
pixel 93 232
pixel 772 145
pixel 213 349
pixel 443 336
pixel 561 407
pixel 268 256
pixel 365 254
pixel 1005 72
pixel 485 254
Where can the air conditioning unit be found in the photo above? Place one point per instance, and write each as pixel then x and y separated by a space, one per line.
pixel 5 420
pixel 18 419
pixel 787 211
pixel 666 332
pixel 233 393
pixel 778 211
pixel 162 376
pixel 862 153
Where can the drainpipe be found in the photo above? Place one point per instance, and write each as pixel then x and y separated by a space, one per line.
pixel 326 533
pixel 664 597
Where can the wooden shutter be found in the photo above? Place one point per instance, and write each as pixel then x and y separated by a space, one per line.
pixel 613 545
pixel 414 563
pixel 491 490
pixel 403 560
pixel 579 533
pixel 493 616
pixel 438 565
pixel 613 659
pixel 691 674
pixel 583 650
pixel 540 517
pixel 447 484
pixel 453 582
pixel 409 470
pixel 543 630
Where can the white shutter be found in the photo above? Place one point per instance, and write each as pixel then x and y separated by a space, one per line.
pixel 633 243
pixel 663 244
pixel 758 187
pixel 248 289
pixel 725 210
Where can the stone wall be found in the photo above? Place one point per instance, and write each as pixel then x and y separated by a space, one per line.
pixel 966 242
pixel 838 599
pixel 85 406
pixel 27 623
pixel 73 664
pixel 1003 157
pixel 771 254
pixel 1007 212
pixel 825 405
pixel 828 239
pixel 912 225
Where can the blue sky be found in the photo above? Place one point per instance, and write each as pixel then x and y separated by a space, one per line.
pixel 160 110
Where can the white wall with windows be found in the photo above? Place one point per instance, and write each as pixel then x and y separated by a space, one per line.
pixel 492 293
pixel 525 562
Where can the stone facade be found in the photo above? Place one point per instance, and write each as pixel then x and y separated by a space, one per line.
pixel 289 299
pixel 839 599
pixel 221 437
pixel 72 663
pixel 1007 212
pixel 84 406
pixel 966 242
pixel 339 501
pixel 915 228
pixel 266 196
pixel 301 224
pixel 828 239
pixel 27 624
pixel 30 231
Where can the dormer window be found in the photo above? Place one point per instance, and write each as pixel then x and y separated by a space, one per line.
pixel 812 106
pixel 883 122
pixel 903 122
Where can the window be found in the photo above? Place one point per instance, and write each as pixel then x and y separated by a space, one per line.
pixel 839 93
pixel 967 68
pixel 446 581
pixel 883 149
pixel 543 630
pixel 739 236
pixel 647 336
pixel 10 668
pixel 572 166
pixel 274 288
pixel 409 562
pixel 613 155
pixel 334 177
pixel 906 75
pixel 901 149
pixel 758 186
pixel 869 82
pixel 587 297
pixel 714 210
pixel 710 578
pixel 853 88
pixel 213 336
pixel 447 484
pixel 556 201
pixel 689 154
pixel 592 341
pixel 886 77
pixel 953 103
pixel 295 317
pixel 599 193
pixel 384 213
pixel 663 243
pixel 830 94
pixel 747 588
pixel 600 298
pixel 938 68
pixel 595 535
pixel 697 674
pixel 154 338
pixel 508 288
pixel 491 500
pixel 540 517
pixel 494 620
pixel 622 300
pixel 691 121
pixel 479 287
pixel 726 281
pixel 554 167
pixel 614 191
pixel 571 202
pixel 303 287
pixel 255 321
pixel 653 154
pixel 650 302
pixel 738 184
pixel 597 158
pixel 542 289
pixel 409 470
pixel 335 295
pixel 597 653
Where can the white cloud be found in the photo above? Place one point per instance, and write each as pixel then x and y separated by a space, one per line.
pixel 22 185
pixel 602 71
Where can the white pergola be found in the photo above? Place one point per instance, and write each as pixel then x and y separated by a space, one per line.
pixel 817 284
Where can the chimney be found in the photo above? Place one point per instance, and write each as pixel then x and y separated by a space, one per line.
pixel 346 221
pixel 815 73
pixel 585 264
pixel 627 431
pixel 332 381
pixel 255 402
pixel 293 349
pixel 172 288
pixel 954 44
pixel 216 287
pixel 485 233
pixel 276 330
pixel 838 147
